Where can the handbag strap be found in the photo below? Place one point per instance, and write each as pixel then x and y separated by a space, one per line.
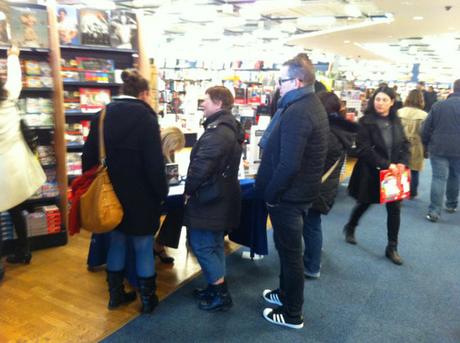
pixel 102 154
pixel 329 172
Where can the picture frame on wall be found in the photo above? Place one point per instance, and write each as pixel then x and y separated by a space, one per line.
pixel 29 27
pixel 94 27
pixel 123 29
pixel 67 24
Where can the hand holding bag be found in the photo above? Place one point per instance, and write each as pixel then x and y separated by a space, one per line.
pixel 100 209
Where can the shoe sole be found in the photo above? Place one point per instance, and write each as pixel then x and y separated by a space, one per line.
pixel 292 326
pixel 273 302
pixel 431 219
pixel 223 308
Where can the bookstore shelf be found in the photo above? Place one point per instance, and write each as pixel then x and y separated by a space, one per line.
pixel 78 114
pixel 92 84
pixel 37 89
pixel 97 48
pixel 43 201
pixel 74 147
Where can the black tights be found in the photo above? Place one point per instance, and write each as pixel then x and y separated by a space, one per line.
pixel 393 218
pixel 22 245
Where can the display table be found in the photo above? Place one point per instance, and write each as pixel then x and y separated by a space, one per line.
pixel 251 233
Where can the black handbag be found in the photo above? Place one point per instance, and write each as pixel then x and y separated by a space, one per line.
pixel 30 136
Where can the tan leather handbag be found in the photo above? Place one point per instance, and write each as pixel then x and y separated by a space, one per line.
pixel 100 209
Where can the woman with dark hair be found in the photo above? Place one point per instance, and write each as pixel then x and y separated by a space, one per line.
pixel 381 144
pixel 412 117
pixel 340 139
pixel 21 173
pixel 137 171
pixel 212 195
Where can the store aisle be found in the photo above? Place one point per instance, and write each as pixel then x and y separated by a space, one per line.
pixel 361 296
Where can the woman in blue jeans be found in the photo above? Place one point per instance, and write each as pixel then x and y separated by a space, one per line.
pixel 341 136
pixel 136 169
pixel 212 195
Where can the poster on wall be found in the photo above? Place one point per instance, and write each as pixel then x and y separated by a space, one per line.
pixel 67 23
pixel 123 29
pixel 94 27
pixel 4 25
pixel 29 27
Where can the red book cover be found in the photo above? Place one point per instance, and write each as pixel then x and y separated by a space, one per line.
pixel 394 187
pixel 93 100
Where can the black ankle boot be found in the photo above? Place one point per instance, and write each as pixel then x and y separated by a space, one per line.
pixel 391 253
pixel 218 299
pixel 147 289
pixel 349 232
pixel 202 293
pixel 16 258
pixel 2 272
pixel 117 293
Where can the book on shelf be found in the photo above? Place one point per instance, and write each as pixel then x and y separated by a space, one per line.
pixel 93 100
pixel 94 27
pixel 67 24
pixel 36 74
pixel 29 27
pixel 72 100
pixel 88 69
pixel 46 155
pixel 123 29
pixel 74 166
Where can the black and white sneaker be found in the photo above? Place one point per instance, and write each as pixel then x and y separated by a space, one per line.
pixel 272 297
pixel 279 317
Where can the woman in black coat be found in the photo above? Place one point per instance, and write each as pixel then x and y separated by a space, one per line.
pixel 381 144
pixel 212 194
pixel 341 137
pixel 136 168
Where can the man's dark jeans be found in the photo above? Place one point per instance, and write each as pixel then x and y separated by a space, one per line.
pixel 288 222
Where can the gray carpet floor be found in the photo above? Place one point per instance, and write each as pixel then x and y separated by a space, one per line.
pixel 360 297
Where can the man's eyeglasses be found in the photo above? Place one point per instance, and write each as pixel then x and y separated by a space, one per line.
pixel 281 81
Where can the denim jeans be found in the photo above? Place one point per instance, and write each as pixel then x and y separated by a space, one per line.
pixel 143 248
pixel 288 221
pixel 414 174
pixel 446 172
pixel 313 241
pixel 393 218
pixel 208 247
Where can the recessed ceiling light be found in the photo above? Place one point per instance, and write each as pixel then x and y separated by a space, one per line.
pixel 418 18
pixel 346 41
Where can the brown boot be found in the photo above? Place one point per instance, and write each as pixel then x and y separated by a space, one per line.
pixel 391 253
pixel 349 232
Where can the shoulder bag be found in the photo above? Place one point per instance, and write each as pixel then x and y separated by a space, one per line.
pixel 100 209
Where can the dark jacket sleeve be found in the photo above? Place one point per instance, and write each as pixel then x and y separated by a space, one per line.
pixel 214 145
pixel 295 129
pixel 427 129
pixel 153 157
pixel 90 156
pixel 404 151
pixel 365 149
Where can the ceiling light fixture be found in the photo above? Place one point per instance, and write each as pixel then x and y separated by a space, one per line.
pixel 316 21
pixel 352 10
pixel 417 18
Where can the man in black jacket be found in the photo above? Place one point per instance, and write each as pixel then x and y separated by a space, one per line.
pixel 289 178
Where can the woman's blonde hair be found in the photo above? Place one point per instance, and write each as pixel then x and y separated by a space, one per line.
pixel 172 140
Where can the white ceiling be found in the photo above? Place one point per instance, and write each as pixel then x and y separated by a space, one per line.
pixel 382 29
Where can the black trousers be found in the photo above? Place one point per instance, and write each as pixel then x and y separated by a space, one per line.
pixel 288 222
pixel 19 222
pixel 393 218
pixel 169 233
